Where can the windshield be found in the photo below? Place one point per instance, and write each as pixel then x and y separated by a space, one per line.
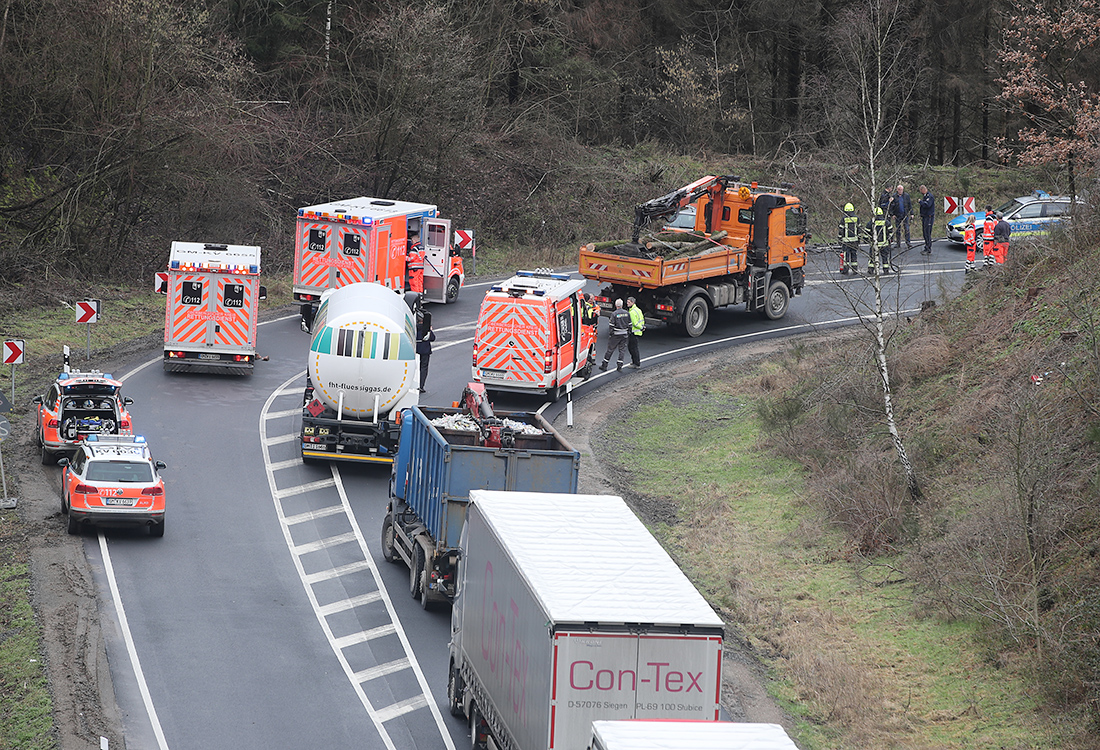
pixel 120 471
pixel 1010 206
pixel 91 389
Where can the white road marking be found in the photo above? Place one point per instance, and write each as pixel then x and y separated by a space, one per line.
pixel 364 566
pixel 296 461
pixel 302 489
pixel 131 649
pixel 437 347
pixel 313 515
pixel 285 413
pixel 397 665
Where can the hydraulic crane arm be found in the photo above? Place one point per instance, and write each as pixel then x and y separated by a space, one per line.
pixel 669 204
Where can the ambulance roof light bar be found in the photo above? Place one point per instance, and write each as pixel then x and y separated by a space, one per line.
pixel 543 274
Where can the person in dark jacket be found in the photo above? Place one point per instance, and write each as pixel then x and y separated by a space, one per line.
pixel 886 200
pixel 927 217
pixel 901 209
pixel 424 338
pixel 619 328
pixel 1001 232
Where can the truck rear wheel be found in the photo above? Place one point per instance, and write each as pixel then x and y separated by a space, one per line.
pixel 779 298
pixel 478 737
pixel 389 552
pixel 696 316
pixel 416 571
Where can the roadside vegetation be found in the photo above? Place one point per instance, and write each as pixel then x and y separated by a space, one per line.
pixel 968 620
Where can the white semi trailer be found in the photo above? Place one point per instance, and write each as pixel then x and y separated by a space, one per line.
pixel 361 371
pixel 688 735
pixel 569 611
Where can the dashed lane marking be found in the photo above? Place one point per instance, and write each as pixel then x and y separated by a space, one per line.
pixel 375 601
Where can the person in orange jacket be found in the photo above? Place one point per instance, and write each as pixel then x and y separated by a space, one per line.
pixel 987 235
pixel 414 264
pixel 970 239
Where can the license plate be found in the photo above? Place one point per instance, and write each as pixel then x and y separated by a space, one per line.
pixel 210 356
pixel 118 501
pixel 493 371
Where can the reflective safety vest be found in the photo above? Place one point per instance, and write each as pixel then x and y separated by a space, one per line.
pixel 987 228
pixel 970 236
pixel 879 229
pixel 849 228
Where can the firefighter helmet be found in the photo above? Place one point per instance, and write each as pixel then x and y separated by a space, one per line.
pixel 878 211
pixel 849 207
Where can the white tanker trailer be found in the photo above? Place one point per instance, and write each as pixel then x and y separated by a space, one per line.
pixel 362 368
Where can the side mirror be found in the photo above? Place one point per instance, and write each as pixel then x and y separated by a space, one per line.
pixel 63 462
pixel 263 292
pixel 37 400
pixel 127 400
pixel 160 465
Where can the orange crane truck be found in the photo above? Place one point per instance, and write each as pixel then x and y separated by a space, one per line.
pixel 749 246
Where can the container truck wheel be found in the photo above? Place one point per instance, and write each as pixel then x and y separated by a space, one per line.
pixel 453 288
pixel 454 691
pixel 389 552
pixel 696 316
pixel 416 571
pixel 779 299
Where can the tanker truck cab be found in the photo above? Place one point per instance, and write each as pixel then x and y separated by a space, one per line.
pixel 529 335
pixel 362 369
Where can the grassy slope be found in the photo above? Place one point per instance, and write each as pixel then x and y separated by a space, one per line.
pixel 864 651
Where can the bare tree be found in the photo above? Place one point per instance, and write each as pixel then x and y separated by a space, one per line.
pixel 871 95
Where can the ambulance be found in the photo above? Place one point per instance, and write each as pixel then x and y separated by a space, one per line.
pixel 530 337
pixel 212 309
pixel 370 239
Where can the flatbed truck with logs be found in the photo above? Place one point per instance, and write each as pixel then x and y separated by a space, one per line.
pixel 748 247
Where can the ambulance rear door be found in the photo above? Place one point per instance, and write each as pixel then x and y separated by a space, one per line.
pixel 436 238
pixel 566 325
pixel 513 337
pixel 330 254
pixel 188 317
pixel 234 321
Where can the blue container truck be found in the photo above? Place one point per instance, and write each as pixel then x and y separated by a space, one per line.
pixel 435 469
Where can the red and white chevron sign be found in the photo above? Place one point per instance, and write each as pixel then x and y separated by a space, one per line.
pixel 13 352
pixel 160 283
pixel 464 238
pixel 954 205
pixel 87 311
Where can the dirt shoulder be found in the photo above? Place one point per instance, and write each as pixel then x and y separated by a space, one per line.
pixel 745 695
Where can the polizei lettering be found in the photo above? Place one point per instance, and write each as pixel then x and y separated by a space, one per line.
pixel 332 386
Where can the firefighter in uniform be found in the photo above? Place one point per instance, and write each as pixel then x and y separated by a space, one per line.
pixel 879 243
pixel 848 234
pixel 987 236
pixel 970 239
pixel 414 264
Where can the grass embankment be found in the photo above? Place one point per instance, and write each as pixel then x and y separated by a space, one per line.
pixel 851 658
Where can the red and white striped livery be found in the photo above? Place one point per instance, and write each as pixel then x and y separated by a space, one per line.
pixel 374 240
pixel 212 309
pixel 531 336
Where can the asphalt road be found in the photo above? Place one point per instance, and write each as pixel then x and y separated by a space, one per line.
pixel 266 617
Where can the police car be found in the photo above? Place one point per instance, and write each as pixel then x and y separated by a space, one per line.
pixel 76 405
pixel 112 481
pixel 1031 214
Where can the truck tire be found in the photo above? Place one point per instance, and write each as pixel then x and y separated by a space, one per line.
pixel 453 288
pixel 389 552
pixel 416 571
pixel 454 691
pixel 696 316
pixel 477 738
pixel 779 299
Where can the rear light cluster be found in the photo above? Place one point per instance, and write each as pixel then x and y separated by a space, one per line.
pixel 603 300
pixel 154 491
pixel 548 362
pixel 242 358
pixel 665 308
pixel 85 489
pixel 124 424
pixel 175 355
pixel 53 424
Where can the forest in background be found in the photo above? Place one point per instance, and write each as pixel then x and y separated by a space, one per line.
pixel 125 124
